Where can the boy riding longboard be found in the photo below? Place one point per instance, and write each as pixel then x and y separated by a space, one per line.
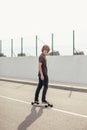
pixel 43 78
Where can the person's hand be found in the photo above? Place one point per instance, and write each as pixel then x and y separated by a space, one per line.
pixel 42 77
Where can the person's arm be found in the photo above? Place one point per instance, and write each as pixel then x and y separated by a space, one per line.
pixel 40 70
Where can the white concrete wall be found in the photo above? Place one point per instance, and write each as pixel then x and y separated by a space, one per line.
pixel 19 67
pixel 69 69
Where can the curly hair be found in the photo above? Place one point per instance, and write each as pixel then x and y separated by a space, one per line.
pixel 45 47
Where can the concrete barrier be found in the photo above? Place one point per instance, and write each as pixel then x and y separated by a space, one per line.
pixel 68 69
pixel 19 67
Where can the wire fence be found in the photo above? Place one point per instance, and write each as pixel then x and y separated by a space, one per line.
pixel 31 45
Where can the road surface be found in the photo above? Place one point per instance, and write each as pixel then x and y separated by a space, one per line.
pixel 17 113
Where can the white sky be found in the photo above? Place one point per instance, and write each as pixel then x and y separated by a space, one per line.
pixel 27 18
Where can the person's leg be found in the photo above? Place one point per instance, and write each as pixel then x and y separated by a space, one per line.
pixel 38 89
pixel 45 83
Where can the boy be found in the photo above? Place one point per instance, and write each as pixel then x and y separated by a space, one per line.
pixel 43 75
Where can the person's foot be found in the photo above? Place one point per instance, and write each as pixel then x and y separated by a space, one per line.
pixel 37 102
pixel 44 101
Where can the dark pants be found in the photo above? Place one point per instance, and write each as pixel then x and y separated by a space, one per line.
pixel 41 83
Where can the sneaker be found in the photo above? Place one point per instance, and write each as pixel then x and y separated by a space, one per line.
pixel 45 102
pixel 37 102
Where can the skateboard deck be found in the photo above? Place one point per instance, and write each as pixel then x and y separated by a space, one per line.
pixel 42 104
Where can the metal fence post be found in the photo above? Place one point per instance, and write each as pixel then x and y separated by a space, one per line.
pixel 36 46
pixel 11 47
pixel 52 43
pixel 73 41
pixel 21 45
pixel 0 46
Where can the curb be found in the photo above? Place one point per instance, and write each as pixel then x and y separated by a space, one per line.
pixel 51 85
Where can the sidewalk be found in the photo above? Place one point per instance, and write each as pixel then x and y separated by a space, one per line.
pixel 55 85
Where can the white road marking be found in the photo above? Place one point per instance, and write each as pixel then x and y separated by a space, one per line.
pixel 55 109
pixel 16 100
pixel 71 113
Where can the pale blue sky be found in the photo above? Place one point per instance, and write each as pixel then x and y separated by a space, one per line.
pixel 28 18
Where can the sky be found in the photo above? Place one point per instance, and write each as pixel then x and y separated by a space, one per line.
pixel 28 18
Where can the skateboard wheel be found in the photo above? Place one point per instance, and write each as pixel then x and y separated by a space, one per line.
pixel 51 105
pixel 32 103
pixel 46 106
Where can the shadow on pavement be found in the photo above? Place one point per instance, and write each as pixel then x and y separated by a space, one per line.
pixel 70 94
pixel 34 115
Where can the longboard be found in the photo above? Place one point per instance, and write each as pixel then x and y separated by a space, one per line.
pixel 41 104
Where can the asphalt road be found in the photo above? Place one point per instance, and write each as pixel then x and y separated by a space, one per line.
pixel 17 113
